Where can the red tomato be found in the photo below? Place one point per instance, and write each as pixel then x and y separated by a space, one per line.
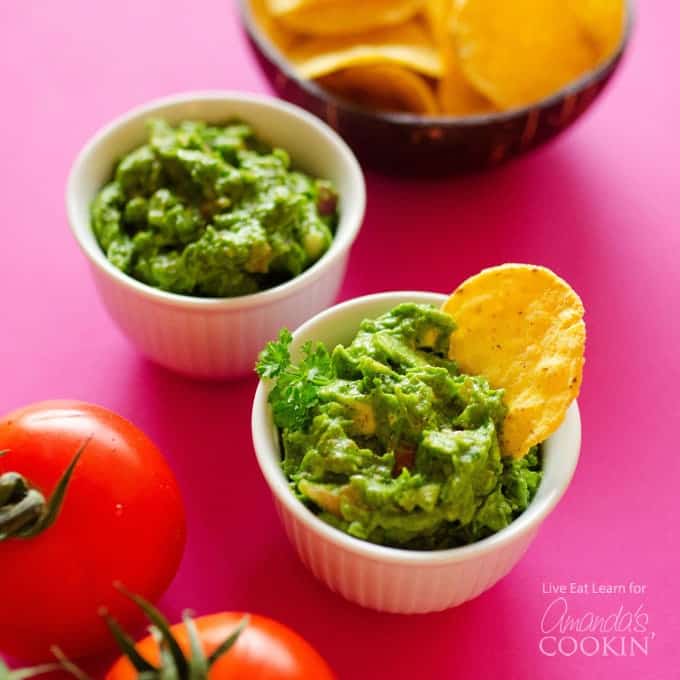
pixel 122 519
pixel 265 650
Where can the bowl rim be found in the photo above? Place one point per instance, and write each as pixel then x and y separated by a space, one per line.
pixel 415 120
pixel 267 458
pixel 342 241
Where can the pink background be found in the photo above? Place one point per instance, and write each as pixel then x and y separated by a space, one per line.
pixel 600 206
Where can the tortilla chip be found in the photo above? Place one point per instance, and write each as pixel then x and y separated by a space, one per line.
pixel 605 21
pixel 522 327
pixel 437 17
pixel 408 45
pixel 342 17
pixel 284 6
pixel 517 53
pixel 456 96
pixel 272 29
pixel 383 87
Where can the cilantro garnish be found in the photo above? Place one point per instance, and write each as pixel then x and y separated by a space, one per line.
pixel 296 388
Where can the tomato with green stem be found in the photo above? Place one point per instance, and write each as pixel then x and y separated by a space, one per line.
pixel 226 646
pixel 70 527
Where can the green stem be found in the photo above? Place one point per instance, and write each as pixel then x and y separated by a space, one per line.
pixel 16 519
pixel 174 664
pixel 24 511
pixel 13 487
pixel 67 665
pixel 25 673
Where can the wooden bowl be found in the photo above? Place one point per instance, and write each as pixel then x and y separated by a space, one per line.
pixel 402 143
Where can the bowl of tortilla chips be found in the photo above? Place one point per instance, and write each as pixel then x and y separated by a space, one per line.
pixel 436 86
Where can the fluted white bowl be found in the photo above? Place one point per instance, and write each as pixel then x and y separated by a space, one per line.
pixel 217 337
pixel 391 579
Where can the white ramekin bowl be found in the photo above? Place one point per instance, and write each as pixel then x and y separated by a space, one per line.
pixel 215 337
pixel 389 579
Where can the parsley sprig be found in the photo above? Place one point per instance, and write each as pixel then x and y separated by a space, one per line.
pixel 296 388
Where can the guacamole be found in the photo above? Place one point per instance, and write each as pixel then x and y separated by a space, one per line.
pixel 210 210
pixel 386 440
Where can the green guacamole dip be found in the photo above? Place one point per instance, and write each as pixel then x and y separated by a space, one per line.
pixel 210 210
pixel 387 441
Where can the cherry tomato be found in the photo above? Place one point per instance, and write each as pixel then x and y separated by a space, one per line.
pixel 122 519
pixel 265 650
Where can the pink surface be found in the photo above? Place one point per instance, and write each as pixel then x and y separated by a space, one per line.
pixel 600 206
